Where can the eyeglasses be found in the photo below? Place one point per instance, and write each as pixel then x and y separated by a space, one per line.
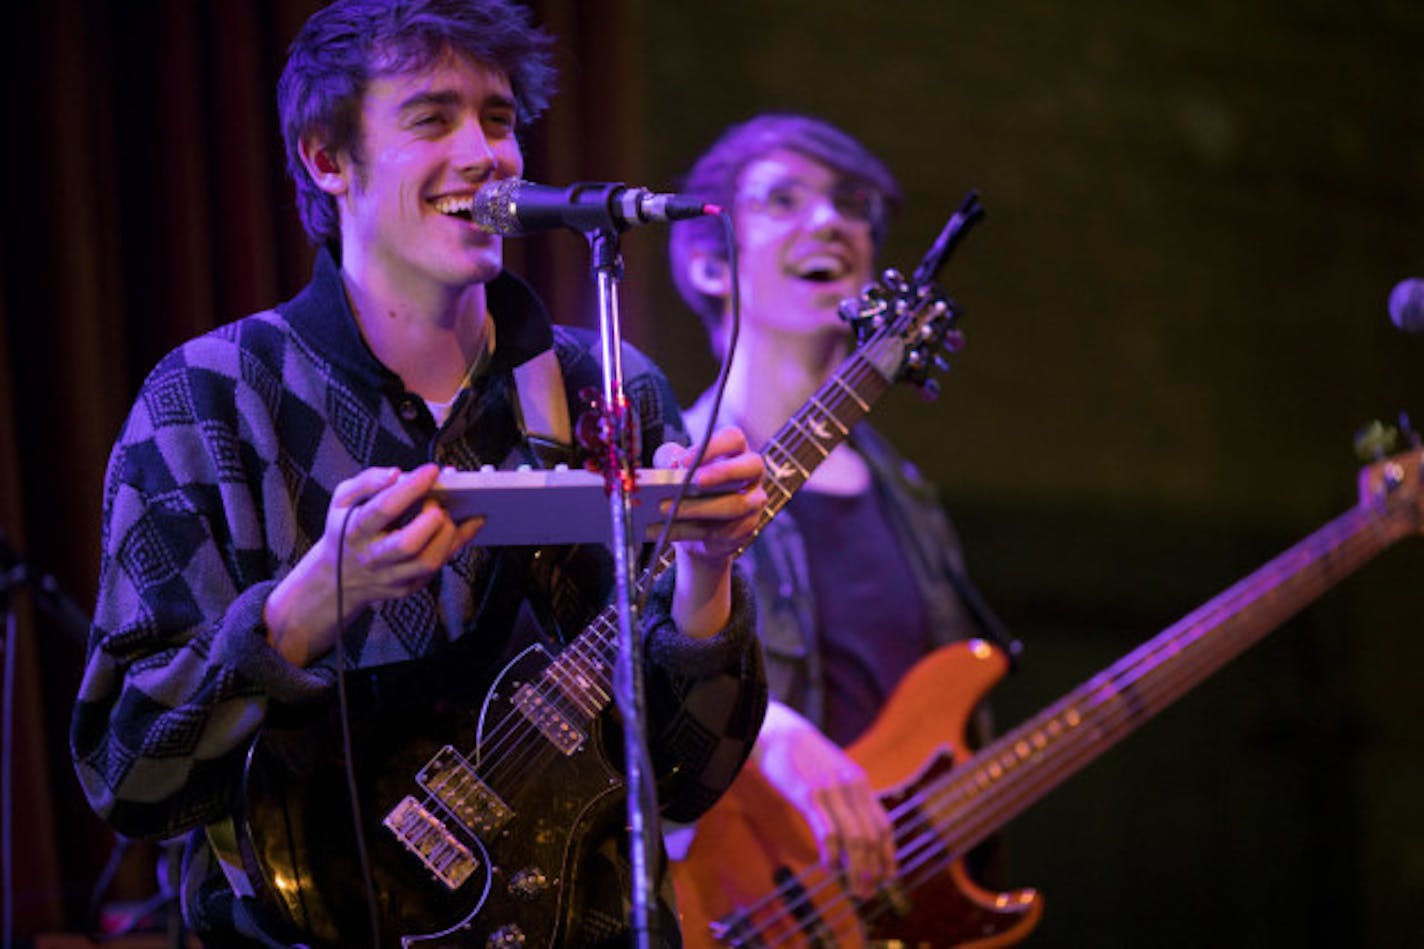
pixel 789 198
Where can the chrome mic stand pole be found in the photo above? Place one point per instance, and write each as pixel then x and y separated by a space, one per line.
pixel 620 473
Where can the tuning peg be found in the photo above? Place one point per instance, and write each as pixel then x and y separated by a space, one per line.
pixel 1407 430
pixel 1375 440
pixel 940 362
pixel 929 388
pixel 894 281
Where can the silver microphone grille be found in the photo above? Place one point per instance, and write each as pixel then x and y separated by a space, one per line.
pixel 496 206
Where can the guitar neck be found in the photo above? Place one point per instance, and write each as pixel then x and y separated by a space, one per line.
pixel 821 425
pixel 1011 773
pixel 583 669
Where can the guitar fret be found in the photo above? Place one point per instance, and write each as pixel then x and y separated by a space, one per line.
pixel 604 630
pixel 780 471
pixel 830 415
pixel 581 670
pixel 810 436
pixel 574 685
pixel 855 396
pixel 594 672
pixel 549 719
pixel 772 482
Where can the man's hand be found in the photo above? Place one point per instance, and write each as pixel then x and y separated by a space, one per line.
pixel 711 530
pixel 396 539
pixel 833 795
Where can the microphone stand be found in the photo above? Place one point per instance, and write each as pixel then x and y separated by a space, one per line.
pixel 620 475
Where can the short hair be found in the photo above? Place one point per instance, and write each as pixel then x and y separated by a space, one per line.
pixel 342 47
pixel 714 178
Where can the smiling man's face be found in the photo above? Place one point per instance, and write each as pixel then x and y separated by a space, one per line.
pixel 429 140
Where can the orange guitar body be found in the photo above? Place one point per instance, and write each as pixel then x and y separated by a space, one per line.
pixel 745 846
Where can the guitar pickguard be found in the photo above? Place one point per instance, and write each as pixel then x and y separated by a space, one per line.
pixel 466 849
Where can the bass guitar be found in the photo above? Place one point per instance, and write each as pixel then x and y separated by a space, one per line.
pixel 751 876
pixel 480 805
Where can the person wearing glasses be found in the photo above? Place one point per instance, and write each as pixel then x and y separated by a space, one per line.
pixel 861 574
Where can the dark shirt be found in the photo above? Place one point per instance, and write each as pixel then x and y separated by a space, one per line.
pixel 860 577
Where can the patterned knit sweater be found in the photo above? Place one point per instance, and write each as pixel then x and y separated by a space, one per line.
pixel 221 481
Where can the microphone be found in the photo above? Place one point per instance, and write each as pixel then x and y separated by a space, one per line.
pixel 512 206
pixel 1406 305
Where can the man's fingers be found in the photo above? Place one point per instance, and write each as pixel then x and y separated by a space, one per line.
pixel 391 503
pixel 720 508
pixel 734 471
pixel 854 836
pixel 362 486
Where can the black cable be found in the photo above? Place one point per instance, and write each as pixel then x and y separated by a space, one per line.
pixel 362 855
pixel 102 883
pixel 718 388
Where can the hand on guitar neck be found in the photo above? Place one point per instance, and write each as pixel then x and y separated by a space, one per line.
pixel 833 795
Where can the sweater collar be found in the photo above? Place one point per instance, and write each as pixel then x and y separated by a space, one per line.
pixel 321 314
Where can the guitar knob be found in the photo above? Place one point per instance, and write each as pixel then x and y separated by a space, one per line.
pixel 528 883
pixel 508 936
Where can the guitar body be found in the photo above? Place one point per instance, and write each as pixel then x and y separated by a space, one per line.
pixel 753 840
pixel 297 840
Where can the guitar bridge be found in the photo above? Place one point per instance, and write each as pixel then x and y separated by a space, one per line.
pixel 453 782
pixel 424 835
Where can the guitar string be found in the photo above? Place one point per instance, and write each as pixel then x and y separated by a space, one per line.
pixel 513 752
pixel 928 842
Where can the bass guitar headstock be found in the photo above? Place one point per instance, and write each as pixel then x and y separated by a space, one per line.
pixel 905 326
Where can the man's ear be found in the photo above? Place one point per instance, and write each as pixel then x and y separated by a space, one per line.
pixel 710 275
pixel 326 167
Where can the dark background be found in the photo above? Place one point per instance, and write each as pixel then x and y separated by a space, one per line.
pixel 1176 319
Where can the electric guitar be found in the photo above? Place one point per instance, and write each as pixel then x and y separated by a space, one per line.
pixel 751 876
pixel 480 805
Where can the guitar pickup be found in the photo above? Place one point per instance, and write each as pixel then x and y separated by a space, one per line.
pixel 450 778
pixel 424 835
pixel 562 733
